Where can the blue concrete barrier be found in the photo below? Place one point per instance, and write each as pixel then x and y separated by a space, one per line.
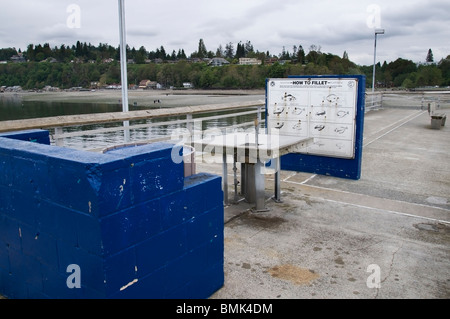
pixel 128 219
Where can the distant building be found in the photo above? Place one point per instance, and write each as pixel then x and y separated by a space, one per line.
pixel 147 84
pixel 249 61
pixel 188 85
pixel 271 61
pixel 18 58
pixel 95 84
pixel 218 62
pixel 114 87
pixel 194 60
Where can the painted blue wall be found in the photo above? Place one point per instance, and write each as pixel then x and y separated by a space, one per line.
pixel 128 218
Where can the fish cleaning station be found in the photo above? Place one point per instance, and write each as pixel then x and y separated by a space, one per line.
pixel 160 219
pixel 136 220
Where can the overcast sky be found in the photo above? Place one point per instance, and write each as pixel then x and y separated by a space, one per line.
pixel 412 27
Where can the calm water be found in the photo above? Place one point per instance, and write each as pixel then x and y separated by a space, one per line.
pixel 13 107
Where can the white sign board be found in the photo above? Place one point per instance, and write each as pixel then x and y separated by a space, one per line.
pixel 322 108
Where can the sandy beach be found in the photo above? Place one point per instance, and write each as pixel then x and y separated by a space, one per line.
pixel 142 98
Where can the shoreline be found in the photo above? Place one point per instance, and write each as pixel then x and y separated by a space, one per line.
pixel 142 98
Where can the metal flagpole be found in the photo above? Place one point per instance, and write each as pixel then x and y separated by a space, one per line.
pixel 123 66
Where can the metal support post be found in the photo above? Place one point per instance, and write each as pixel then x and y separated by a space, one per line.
pixel 225 178
pixel 259 187
pixel 277 196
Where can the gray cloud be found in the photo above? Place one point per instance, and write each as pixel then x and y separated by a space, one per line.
pixel 411 27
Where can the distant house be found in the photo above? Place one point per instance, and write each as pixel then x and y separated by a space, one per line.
pixel 218 62
pixel 108 60
pixel 114 86
pixel 95 84
pixel 18 58
pixel 194 60
pixel 147 84
pixel 188 85
pixel 249 61
pixel 271 61
pixel 282 62
pixel 50 60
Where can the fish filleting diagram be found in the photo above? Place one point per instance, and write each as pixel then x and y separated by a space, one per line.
pixel 323 109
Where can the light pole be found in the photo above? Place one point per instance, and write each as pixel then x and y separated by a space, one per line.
pixel 123 66
pixel 377 31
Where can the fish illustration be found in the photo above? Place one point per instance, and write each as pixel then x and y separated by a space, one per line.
pixel 289 97
pixel 298 126
pixel 332 98
pixel 279 126
pixel 341 130
pixel 319 144
pixel 321 113
pixel 277 109
pixel 319 127
pixel 298 111
pixel 342 114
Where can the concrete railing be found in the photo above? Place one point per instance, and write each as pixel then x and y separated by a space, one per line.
pixel 117 126
pixel 407 99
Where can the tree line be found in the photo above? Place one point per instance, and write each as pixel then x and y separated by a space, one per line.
pixel 81 64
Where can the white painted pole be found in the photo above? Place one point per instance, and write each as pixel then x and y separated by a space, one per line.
pixel 374 63
pixel 377 31
pixel 123 66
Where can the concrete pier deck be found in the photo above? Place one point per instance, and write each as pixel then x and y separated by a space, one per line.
pixel 384 236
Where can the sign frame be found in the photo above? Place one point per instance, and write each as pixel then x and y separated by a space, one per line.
pixel 344 165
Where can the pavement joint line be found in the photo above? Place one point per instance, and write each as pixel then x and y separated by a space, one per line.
pixel 351 193
pixel 379 199
pixel 308 179
pixel 292 175
pixel 390 125
pixel 393 129
pixel 384 210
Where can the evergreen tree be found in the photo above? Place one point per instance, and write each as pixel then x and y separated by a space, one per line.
pixel 248 48
pixel 430 58
pixel 301 55
pixel 229 50
pixel 240 51
pixel 202 52
pixel 220 52
pixel 345 56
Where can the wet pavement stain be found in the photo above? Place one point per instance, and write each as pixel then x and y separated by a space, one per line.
pixel 294 274
pixel 258 220
pixel 339 261
pixel 246 266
